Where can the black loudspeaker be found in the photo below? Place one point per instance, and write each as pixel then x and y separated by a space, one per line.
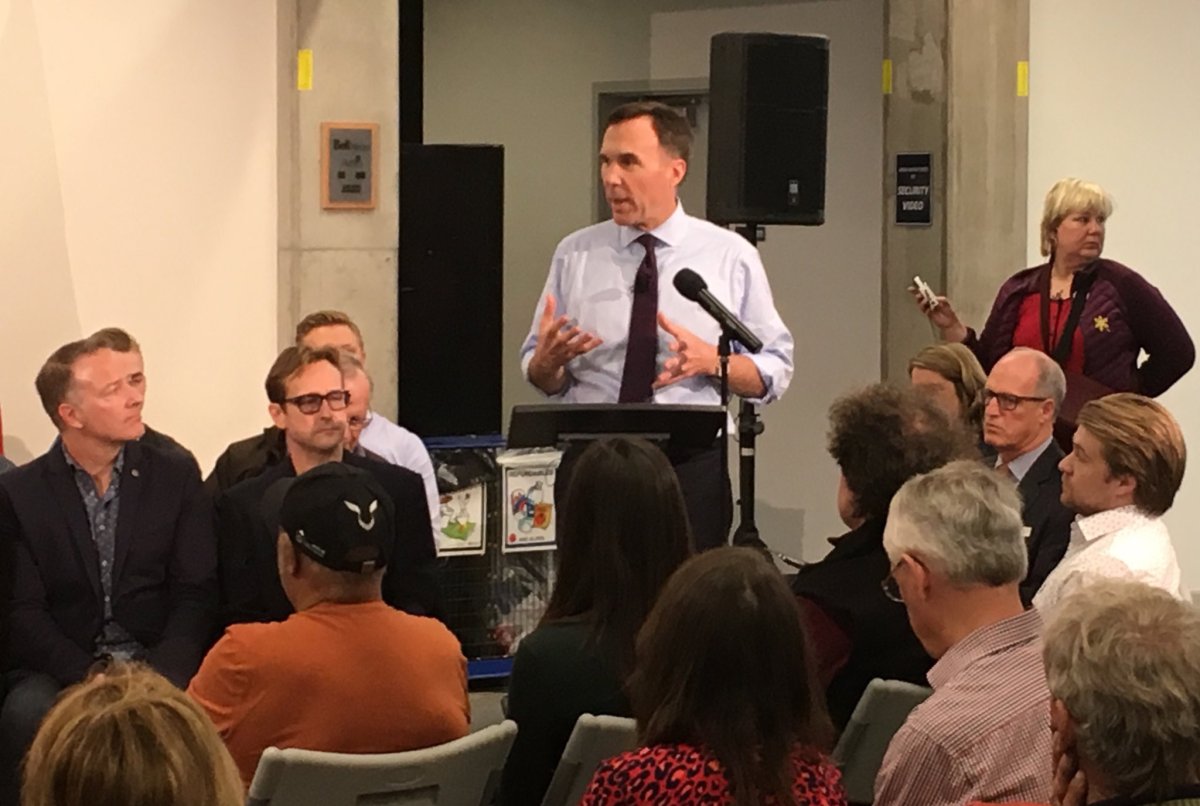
pixel 451 288
pixel 768 104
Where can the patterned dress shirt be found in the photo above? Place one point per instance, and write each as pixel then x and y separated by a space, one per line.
pixel 1122 543
pixel 984 733
pixel 102 511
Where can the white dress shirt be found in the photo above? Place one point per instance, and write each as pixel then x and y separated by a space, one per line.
pixel 591 278
pixel 402 447
pixel 1122 543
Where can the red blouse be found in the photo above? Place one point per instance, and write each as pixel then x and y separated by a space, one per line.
pixel 1028 332
pixel 683 775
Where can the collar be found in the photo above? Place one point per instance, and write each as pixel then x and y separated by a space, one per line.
pixel 118 463
pixel 1094 527
pixel 1020 466
pixel 985 641
pixel 669 232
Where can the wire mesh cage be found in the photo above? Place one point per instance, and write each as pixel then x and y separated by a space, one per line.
pixel 493 598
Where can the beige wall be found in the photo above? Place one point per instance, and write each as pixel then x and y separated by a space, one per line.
pixel 139 191
pixel 1112 99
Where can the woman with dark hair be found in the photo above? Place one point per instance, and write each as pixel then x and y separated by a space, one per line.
pixel 623 531
pixel 725 697
pixel 880 437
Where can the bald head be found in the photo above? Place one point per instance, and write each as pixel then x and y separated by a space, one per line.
pixel 1024 391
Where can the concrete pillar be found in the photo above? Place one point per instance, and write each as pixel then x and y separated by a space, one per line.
pixel 954 94
pixel 340 259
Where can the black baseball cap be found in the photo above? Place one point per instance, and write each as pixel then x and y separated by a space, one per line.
pixel 338 515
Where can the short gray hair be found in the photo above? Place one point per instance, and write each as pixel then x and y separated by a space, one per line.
pixel 963 520
pixel 1051 380
pixel 351 366
pixel 1124 658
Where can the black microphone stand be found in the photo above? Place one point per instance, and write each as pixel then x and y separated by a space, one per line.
pixel 723 361
pixel 749 428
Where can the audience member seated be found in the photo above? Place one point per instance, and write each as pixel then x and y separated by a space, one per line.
pixel 624 529
pixel 380 436
pixel 110 540
pixel 1024 392
pixel 880 437
pixel 1123 664
pixel 950 374
pixel 724 692
pixel 1125 466
pixel 129 738
pixel 346 672
pixel 954 540
pixel 308 403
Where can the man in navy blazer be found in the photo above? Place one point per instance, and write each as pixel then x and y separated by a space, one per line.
pixel 1021 400
pixel 109 540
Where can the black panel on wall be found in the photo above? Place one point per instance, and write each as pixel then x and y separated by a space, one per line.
pixel 451 288
pixel 768 102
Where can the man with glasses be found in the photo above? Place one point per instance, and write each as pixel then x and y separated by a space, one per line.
pixel 308 403
pixel 1021 400
pixel 380 437
pixel 359 420
pixel 953 538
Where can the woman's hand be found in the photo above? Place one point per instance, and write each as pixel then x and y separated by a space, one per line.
pixel 943 317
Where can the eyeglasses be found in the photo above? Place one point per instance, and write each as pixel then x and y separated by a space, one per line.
pixel 1008 402
pixel 359 423
pixel 891 588
pixel 338 399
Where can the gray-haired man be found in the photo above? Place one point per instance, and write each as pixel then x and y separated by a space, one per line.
pixel 954 541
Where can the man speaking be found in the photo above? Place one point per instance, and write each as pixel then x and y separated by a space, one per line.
pixel 612 328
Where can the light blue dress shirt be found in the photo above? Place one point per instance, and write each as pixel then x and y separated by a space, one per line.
pixel 591 278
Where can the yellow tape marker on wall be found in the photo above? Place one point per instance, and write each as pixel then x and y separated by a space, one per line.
pixel 1022 79
pixel 304 70
pixel 887 76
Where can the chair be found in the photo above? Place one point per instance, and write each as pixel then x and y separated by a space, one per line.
pixel 464 772
pixel 594 739
pixel 880 712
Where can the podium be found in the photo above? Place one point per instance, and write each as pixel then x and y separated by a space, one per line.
pixel 674 429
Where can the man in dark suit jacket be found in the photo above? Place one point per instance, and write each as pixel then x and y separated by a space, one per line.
pixel 1022 396
pixel 109 538
pixel 308 404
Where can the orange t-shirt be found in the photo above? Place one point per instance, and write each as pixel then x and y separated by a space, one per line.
pixel 347 678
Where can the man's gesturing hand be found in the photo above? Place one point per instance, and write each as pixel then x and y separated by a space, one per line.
pixel 559 341
pixel 693 356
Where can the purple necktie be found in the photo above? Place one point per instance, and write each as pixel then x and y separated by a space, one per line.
pixel 641 352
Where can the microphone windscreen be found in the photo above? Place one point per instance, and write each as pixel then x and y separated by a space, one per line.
pixel 690 284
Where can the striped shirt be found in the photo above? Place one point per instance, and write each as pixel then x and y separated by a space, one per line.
pixel 984 733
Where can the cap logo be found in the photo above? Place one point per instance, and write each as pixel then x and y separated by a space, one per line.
pixel 367 523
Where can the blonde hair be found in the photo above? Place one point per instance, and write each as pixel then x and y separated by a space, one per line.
pixel 1138 437
pixel 129 738
pixel 958 365
pixel 1124 658
pixel 1070 196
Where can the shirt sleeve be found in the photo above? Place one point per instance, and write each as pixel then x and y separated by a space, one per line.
pixel 553 287
pixel 221 684
pixel 775 361
pixel 916 769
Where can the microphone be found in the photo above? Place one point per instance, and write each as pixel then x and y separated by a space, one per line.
pixel 693 287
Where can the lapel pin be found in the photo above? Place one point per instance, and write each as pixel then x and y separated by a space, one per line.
pixel 134 472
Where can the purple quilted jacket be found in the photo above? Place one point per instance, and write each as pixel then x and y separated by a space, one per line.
pixel 1122 315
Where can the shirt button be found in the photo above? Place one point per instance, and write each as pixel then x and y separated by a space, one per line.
pixel 104 563
pixel 107 599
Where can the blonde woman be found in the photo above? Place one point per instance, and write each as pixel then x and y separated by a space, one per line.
pixel 129 738
pixel 1091 314
pixel 951 376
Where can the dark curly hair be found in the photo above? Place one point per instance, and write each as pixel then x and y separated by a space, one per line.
pixel 883 435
